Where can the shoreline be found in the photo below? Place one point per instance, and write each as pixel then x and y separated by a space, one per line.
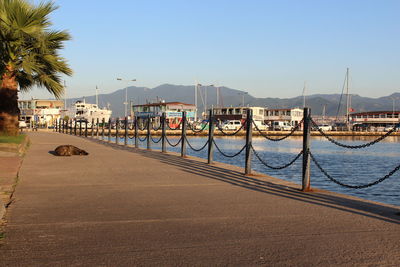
pixel 240 133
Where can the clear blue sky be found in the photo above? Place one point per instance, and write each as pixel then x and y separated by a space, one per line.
pixel 268 48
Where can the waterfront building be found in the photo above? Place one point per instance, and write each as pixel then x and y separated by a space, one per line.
pixel 374 120
pixel 291 115
pixel 43 112
pixel 173 112
pixel 262 114
pixel 238 113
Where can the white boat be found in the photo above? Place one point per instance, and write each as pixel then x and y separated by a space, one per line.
pixel 83 111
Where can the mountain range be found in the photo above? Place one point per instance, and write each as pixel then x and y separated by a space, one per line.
pixel 233 97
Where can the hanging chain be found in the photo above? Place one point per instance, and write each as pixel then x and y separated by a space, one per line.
pixel 276 167
pixel 353 186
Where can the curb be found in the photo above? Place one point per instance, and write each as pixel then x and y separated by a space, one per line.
pixel 7 190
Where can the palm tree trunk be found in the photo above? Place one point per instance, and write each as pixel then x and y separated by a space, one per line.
pixel 9 110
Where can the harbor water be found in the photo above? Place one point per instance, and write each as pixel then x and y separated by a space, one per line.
pixel 349 166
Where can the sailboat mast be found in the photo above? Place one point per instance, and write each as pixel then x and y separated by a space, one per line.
pixel 195 100
pixel 348 98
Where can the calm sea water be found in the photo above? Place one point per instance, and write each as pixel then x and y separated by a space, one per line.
pixel 350 166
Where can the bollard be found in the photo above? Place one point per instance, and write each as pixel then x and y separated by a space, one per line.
pixel 148 133
pixel 92 128
pixel 86 126
pixel 183 135
pixel 103 121
pixel 97 127
pixel 80 127
pixel 163 133
pixel 249 136
pixel 75 127
pixel 116 131
pixel 306 148
pixel 136 132
pixel 210 157
pixel 126 131
pixel 109 130
pixel 55 126
pixel 59 128
pixel 70 127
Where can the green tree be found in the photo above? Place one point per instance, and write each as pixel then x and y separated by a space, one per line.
pixel 29 56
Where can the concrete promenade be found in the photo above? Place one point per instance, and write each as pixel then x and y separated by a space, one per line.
pixel 129 207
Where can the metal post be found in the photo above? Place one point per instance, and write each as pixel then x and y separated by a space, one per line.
pixel 126 130
pixel 306 148
pixel 80 127
pixel 75 127
pixel 148 133
pixel 103 121
pixel 86 125
pixel 60 125
pixel 136 132
pixel 70 127
pixel 92 132
pixel 249 136
pixel 116 131
pixel 63 126
pixel 55 126
pixel 210 137
pixel 163 133
pixel 97 127
pixel 183 136
pixel 109 130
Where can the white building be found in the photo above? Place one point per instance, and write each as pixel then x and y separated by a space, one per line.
pixel 293 116
pixel 41 111
pixel 290 115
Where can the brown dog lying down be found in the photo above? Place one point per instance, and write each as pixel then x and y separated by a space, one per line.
pixel 69 150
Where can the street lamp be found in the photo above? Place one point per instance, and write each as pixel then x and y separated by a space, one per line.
pixel 126 95
pixel 243 94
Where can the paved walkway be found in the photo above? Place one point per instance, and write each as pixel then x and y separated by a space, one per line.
pixel 124 207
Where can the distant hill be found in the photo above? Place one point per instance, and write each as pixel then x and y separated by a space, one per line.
pixel 233 97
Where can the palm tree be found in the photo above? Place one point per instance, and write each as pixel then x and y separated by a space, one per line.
pixel 29 56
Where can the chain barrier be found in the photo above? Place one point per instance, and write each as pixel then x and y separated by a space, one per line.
pixel 230 134
pixel 276 167
pixel 176 128
pixel 226 155
pixel 353 186
pixel 196 149
pixel 154 140
pixel 356 146
pixel 166 138
pixel 191 127
pixel 133 136
pixel 281 138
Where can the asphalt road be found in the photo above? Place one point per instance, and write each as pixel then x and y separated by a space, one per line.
pixel 128 207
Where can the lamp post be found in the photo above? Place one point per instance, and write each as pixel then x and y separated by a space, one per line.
pixel 243 94
pixel 126 95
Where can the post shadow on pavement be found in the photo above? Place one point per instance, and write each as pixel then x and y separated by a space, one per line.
pixel 236 178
